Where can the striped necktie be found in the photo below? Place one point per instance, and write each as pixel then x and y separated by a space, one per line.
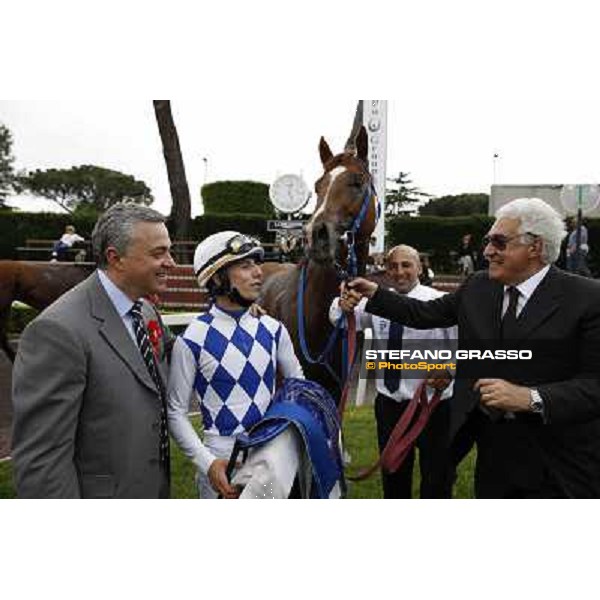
pixel 143 342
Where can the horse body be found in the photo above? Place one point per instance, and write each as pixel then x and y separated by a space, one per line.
pixel 341 226
pixel 280 298
pixel 36 284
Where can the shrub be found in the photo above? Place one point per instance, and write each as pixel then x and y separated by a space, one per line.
pixel 237 197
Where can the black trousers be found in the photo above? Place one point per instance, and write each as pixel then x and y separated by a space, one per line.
pixel 437 472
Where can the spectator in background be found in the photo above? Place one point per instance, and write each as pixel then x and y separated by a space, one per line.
pixel 69 237
pixel 576 258
pixel 427 274
pixel 467 255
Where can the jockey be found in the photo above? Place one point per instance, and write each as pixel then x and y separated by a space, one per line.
pixel 228 359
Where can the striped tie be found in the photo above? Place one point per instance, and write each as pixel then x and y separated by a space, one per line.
pixel 143 341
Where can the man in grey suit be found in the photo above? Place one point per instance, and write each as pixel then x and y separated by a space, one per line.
pixel 90 373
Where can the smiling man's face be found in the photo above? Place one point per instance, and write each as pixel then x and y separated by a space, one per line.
pixel 513 257
pixel 142 270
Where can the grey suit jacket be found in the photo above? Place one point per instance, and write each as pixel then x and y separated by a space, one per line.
pixel 86 410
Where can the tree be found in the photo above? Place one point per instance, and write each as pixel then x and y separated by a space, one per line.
pixel 457 206
pixel 181 211
pixel 7 174
pixel 402 196
pixel 86 189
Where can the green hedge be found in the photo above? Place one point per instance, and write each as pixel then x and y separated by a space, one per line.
pixel 438 236
pixel 17 227
pixel 254 225
pixel 237 197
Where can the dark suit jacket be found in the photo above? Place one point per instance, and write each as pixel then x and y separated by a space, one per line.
pixel 86 410
pixel 561 324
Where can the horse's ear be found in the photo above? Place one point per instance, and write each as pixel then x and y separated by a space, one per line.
pixel 325 151
pixel 362 144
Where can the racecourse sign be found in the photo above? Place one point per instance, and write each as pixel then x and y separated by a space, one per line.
pixel 285 226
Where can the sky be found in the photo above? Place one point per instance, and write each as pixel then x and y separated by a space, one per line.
pixel 447 145
pixel 465 81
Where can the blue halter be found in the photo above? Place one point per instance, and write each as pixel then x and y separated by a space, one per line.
pixel 351 271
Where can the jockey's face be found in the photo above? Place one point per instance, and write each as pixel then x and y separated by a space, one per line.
pixel 142 269
pixel 404 268
pixel 246 277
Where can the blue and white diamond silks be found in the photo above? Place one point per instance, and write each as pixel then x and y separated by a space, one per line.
pixel 236 359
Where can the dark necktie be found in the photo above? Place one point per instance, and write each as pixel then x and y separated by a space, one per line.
pixel 143 342
pixel 510 324
pixel 391 377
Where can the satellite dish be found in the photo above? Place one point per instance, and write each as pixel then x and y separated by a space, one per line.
pixel 580 197
pixel 289 194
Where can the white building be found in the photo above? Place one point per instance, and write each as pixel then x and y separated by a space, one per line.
pixel 503 194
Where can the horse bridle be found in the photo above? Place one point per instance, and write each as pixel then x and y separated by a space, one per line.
pixel 349 238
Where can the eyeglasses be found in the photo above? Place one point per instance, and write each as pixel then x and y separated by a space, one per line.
pixel 501 241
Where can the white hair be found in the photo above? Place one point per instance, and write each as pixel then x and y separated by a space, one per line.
pixel 540 219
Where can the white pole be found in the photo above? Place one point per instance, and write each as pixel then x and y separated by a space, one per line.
pixel 375 119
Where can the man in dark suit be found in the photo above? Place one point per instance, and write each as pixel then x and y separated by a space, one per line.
pixel 536 423
pixel 89 378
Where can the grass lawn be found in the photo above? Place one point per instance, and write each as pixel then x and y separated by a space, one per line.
pixel 361 444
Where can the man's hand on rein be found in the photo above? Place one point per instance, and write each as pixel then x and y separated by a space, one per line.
pixel 363 287
pixel 352 292
pixel 349 299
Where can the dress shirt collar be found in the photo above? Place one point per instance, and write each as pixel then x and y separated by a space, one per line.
pixel 529 286
pixel 118 297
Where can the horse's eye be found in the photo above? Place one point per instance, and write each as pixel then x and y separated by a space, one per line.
pixel 356 181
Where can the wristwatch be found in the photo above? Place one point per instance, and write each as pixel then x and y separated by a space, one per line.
pixel 536 402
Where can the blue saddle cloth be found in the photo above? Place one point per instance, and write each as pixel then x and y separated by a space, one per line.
pixel 310 409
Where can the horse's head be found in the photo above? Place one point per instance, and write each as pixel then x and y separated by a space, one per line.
pixel 346 205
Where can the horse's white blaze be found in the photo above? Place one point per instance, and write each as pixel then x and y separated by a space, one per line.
pixel 333 175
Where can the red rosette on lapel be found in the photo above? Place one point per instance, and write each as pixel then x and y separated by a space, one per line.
pixel 155 334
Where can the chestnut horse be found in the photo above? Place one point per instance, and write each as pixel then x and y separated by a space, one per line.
pixel 35 284
pixel 337 236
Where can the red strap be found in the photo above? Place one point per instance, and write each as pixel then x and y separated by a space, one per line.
pixel 351 333
pixel 403 438
pixel 400 443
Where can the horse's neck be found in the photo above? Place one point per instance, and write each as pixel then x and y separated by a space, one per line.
pixel 322 277
pixel 322 286
pixel 362 253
